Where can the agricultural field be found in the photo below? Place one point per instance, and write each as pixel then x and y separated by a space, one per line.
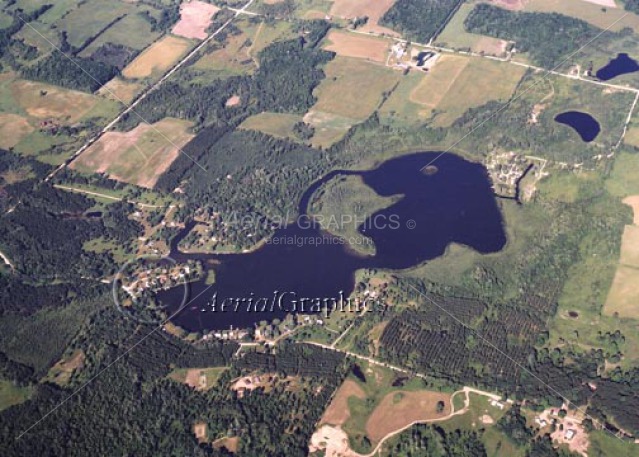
pixel 352 9
pixel 623 298
pixel 157 59
pixel 132 31
pixel 92 17
pixel 236 55
pixel 455 36
pixel 454 85
pixel 121 90
pixel 615 18
pixel 340 101
pixel 139 156
pixel 31 113
pixel 279 125
pixel 195 18
pixel 347 44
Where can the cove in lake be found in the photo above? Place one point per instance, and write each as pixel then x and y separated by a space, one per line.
pixel 453 203
pixel 583 123
pixel 620 65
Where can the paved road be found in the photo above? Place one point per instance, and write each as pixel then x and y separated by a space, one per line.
pixel 144 95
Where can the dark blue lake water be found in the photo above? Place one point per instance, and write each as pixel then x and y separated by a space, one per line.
pixel 620 65
pixel 583 123
pixel 453 203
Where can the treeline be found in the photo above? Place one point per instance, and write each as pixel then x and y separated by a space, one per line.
pixel 419 20
pixel 546 37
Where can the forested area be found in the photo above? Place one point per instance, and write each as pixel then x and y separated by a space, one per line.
pixel 631 5
pixel 546 37
pixel 434 441
pixel 132 409
pixel 419 20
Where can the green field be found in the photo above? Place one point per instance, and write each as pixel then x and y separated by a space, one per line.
pixel 10 394
pixel 279 125
pixel 455 35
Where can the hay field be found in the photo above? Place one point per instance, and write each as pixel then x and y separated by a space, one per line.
pixel 455 36
pixel 623 297
pixel 158 58
pixel 456 84
pixel 399 409
pixel 195 18
pixel 374 10
pixel 588 12
pixel 121 90
pixel 132 31
pixel 353 88
pixel 92 16
pixel 235 56
pixel 137 157
pixel 275 124
pixel 399 108
pixel 360 46
pixel 12 129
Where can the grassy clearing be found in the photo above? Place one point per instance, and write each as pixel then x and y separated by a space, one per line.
pixel 399 109
pixel 133 31
pixel 139 156
pixel 198 378
pixel 120 90
pixel 368 410
pixel 623 178
pixel 341 92
pixel 266 34
pixel 10 394
pixel 85 21
pixel 603 444
pixel 588 12
pixel 275 124
pixel 455 36
pixel 480 81
pixel 235 55
pixel 158 58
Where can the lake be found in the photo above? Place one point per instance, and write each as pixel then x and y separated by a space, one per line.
pixel 620 65
pixel 451 203
pixel 583 123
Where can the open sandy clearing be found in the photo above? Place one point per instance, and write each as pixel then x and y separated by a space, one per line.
pixel 157 58
pixel 199 430
pixel 399 409
pixel 333 440
pixel 360 46
pixel 606 3
pixel 509 4
pixel 231 444
pixel 12 129
pixel 338 412
pixel 195 18
pixel 139 156
pixel 374 10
